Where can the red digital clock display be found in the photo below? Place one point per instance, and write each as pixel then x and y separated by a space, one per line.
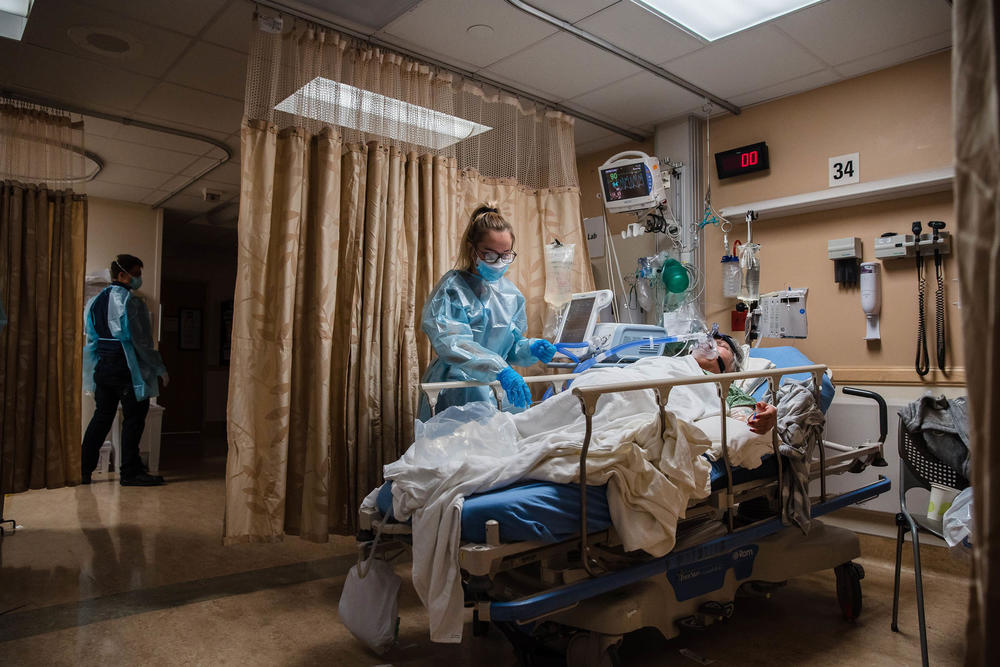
pixel 742 160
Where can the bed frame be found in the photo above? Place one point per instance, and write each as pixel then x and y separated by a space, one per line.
pixel 519 585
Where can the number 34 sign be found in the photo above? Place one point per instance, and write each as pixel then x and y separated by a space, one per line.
pixel 844 169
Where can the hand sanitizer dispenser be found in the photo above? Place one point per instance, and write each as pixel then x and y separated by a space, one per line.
pixel 871 297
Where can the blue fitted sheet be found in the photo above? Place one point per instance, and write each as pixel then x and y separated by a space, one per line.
pixel 550 512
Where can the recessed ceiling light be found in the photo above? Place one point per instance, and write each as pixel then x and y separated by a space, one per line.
pixel 346 106
pixel 714 19
pixel 480 31
pixel 106 42
pixel 14 17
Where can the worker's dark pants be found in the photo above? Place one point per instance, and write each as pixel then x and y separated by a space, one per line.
pixel 113 385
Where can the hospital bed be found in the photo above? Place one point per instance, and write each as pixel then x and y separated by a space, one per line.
pixel 543 563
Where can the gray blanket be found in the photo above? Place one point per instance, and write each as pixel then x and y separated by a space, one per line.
pixel 944 426
pixel 800 427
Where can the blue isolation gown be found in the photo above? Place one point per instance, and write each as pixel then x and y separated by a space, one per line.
pixel 130 324
pixel 476 328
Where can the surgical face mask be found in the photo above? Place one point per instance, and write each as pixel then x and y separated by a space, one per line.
pixel 491 271
pixel 135 283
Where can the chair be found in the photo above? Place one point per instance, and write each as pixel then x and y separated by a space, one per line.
pixel 918 469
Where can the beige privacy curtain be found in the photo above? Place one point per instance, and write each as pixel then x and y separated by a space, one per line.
pixel 342 235
pixel 43 229
pixel 42 252
pixel 977 213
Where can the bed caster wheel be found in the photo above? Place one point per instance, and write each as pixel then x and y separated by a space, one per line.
pixel 590 649
pixel 479 628
pixel 719 611
pixel 849 576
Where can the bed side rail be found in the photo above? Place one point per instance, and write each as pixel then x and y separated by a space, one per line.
pixel 589 396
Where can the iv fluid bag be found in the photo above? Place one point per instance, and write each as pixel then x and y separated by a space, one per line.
pixel 558 274
pixel 749 273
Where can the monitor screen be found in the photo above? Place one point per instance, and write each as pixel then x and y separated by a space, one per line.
pixel 577 318
pixel 626 182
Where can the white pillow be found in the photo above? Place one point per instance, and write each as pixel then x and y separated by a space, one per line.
pixel 753 364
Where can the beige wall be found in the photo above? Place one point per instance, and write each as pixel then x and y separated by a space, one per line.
pixel 899 120
pixel 115 227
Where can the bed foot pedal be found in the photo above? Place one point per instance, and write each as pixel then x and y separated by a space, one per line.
pixel 708 613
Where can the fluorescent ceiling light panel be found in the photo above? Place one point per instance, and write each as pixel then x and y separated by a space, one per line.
pixel 346 106
pixel 14 17
pixel 714 19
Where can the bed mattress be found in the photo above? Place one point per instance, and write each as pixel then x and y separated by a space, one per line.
pixel 548 512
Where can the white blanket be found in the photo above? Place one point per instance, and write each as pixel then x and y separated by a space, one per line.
pixel 650 479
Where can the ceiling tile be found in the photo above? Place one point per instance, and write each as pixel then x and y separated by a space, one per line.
pixel 573 10
pixel 171 102
pixel 80 82
pixel 198 166
pixel 792 87
pixel 134 155
pixel 51 21
pixel 744 62
pixel 440 26
pixel 118 173
pixel 98 127
pixel 896 56
pixel 213 69
pixel 154 196
pixel 847 30
pixel 186 16
pixel 513 84
pixel 228 173
pixel 173 142
pixel 115 191
pixel 638 100
pixel 599 145
pixel 233 27
pixel 175 183
pixel 639 31
pixel 564 66
pixel 584 132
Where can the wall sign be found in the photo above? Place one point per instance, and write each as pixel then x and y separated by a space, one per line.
pixel 844 169
pixel 594 228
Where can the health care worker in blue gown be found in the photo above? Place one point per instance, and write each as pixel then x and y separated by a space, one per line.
pixel 475 320
pixel 120 366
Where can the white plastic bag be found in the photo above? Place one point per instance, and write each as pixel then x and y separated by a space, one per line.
pixel 957 521
pixel 369 605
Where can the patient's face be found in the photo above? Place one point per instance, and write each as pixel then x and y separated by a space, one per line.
pixel 725 353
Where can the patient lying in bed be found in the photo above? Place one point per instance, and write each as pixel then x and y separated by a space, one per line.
pixel 650 479
pixel 758 415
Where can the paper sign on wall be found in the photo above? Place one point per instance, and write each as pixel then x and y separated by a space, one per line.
pixel 845 169
pixel 594 228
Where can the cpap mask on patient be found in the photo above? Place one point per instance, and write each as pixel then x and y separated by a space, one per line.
pixel 705 348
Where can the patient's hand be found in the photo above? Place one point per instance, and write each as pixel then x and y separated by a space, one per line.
pixel 766 419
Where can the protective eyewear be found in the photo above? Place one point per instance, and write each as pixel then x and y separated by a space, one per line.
pixel 491 257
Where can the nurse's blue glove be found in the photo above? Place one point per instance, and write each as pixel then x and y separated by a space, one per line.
pixel 543 350
pixel 516 388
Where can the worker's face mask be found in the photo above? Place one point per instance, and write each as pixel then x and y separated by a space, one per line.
pixel 135 283
pixel 491 271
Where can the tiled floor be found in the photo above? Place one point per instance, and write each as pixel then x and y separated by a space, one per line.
pixel 135 576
